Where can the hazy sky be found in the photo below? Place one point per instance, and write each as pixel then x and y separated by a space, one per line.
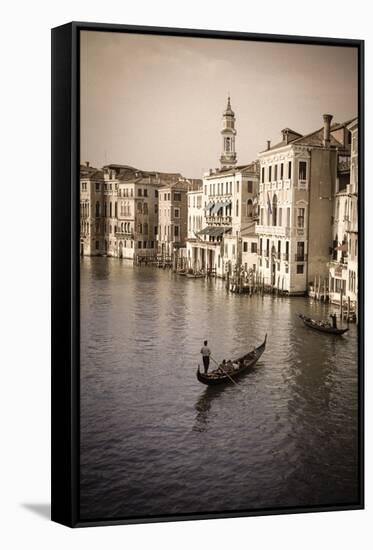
pixel 156 102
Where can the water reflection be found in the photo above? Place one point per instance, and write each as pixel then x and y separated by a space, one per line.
pixel 203 406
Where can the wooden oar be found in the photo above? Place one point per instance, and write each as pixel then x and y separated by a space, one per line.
pixel 225 372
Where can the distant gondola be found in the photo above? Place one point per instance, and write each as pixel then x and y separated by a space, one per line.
pixel 317 325
pixel 220 376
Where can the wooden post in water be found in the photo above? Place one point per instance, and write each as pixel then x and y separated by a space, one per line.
pixel 314 288
pixel 341 304
pixel 348 309
pixel 318 288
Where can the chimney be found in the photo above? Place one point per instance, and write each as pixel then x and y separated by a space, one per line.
pixel 285 136
pixel 87 163
pixel 268 144
pixel 327 121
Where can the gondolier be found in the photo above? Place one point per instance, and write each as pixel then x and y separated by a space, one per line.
pixel 334 319
pixel 205 351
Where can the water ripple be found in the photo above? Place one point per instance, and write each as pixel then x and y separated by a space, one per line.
pixel 154 441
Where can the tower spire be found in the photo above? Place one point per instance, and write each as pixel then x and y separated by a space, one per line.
pixel 228 156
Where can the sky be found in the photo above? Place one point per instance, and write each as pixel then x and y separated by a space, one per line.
pixel 156 102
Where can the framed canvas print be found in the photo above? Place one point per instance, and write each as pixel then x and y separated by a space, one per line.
pixel 207 274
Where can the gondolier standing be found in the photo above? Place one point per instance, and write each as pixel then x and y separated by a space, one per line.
pixel 334 319
pixel 205 351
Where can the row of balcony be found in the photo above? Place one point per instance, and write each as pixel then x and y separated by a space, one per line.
pixel 218 220
pixel 282 184
pixel 276 230
pixel 286 257
pixel 279 231
pixel 124 235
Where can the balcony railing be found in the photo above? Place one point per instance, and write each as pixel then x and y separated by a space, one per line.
pixel 218 220
pixel 276 230
pixel 342 260
pixel 351 226
pixel 124 235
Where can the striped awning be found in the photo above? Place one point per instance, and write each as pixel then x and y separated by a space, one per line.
pixel 209 205
pixel 217 207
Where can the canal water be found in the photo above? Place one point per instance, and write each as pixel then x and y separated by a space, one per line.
pixel 155 441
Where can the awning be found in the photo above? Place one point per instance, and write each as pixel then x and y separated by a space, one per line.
pixel 209 205
pixel 217 207
pixel 214 231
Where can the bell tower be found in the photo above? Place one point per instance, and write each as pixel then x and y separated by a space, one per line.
pixel 228 156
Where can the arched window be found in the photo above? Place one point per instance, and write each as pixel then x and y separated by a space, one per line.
pixel 237 206
pixel 97 209
pixel 139 207
pixel 249 208
pixel 116 209
pixel 228 144
pixel 274 210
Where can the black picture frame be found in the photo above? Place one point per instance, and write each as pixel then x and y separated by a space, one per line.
pixel 65 267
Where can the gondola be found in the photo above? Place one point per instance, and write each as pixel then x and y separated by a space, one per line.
pixel 317 325
pixel 245 362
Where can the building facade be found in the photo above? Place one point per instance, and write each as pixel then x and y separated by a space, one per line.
pixel 228 207
pixel 119 207
pixel 343 272
pixel 91 192
pixel 296 193
pixel 172 218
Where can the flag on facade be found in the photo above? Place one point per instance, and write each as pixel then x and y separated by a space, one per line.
pixel 269 204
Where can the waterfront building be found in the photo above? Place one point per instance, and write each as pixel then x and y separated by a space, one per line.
pixel 119 210
pixel 195 211
pixel 91 192
pixel 137 215
pixel 296 194
pixel 343 267
pixel 228 197
pixel 172 217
